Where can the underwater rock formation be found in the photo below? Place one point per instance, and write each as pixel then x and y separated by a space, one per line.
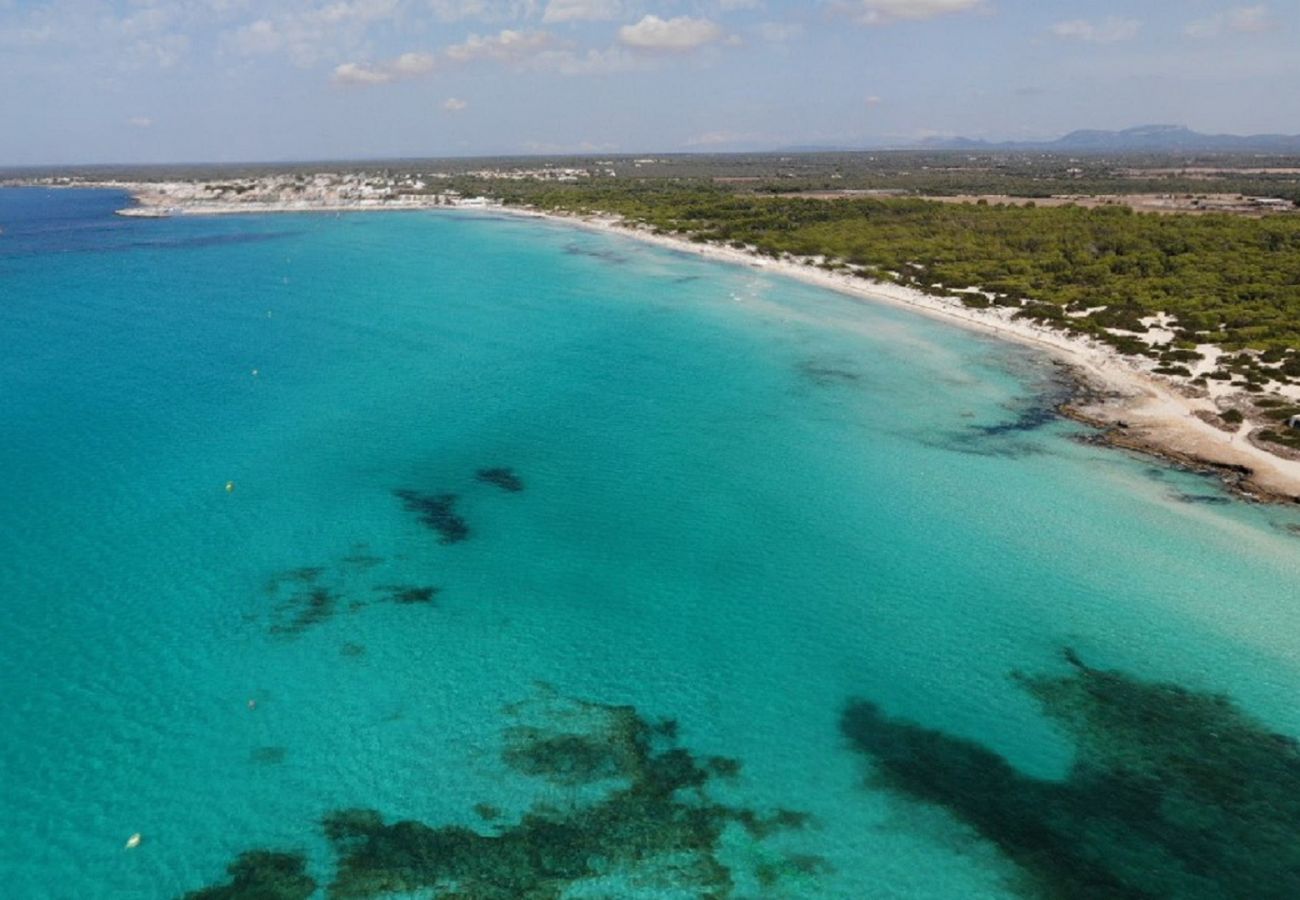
pixel 603 254
pixel 267 756
pixel 302 600
pixel 656 820
pixel 1205 499
pixel 262 875
pixel 408 594
pixel 646 815
pixel 438 512
pixel 1173 793
pixel 504 478
pixel 1029 417
pixel 1011 438
pixel 311 595
pixel 826 374
pixel 303 609
pixel 1051 389
pixel 290 577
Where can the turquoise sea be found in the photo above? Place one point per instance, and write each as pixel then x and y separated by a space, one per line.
pixel 430 552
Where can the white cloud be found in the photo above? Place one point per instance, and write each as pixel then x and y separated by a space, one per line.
pixel 149 20
pixel 675 35
pixel 225 7
pixel 541 50
pixel 507 46
pixel 1248 18
pixel 1108 31
pixel 354 11
pixel 582 10
pixel 164 51
pixel 409 64
pixel 454 104
pixel 483 10
pixel 456 10
pixel 1237 19
pixel 257 37
pixel 885 12
pixel 98 35
pixel 312 34
pixel 593 62
pixel 355 73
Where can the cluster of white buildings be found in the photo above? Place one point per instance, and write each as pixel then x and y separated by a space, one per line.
pixel 545 173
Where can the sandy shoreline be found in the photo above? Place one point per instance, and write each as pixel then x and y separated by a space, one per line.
pixel 1136 409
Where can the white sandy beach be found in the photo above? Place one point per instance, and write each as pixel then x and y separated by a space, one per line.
pixel 1154 413
pixel 1149 412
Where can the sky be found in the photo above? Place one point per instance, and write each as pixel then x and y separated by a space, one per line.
pixel 153 81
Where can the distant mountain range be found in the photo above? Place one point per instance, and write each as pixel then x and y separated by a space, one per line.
pixel 1142 139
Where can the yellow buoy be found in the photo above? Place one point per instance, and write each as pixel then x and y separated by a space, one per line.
pixel 133 841
pixel 230 487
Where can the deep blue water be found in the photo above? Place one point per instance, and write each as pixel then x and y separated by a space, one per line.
pixel 741 502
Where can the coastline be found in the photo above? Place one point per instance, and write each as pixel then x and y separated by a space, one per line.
pixel 1133 409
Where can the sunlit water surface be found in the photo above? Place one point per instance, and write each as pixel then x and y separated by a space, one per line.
pixel 732 500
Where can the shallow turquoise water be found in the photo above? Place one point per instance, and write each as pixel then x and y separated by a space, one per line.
pixel 745 502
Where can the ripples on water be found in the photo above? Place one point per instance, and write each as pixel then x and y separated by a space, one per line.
pixel 563 566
